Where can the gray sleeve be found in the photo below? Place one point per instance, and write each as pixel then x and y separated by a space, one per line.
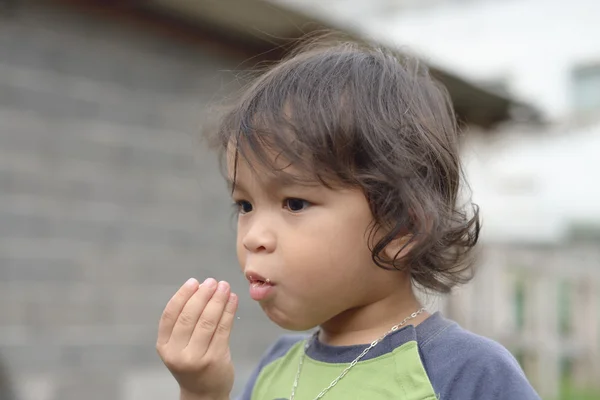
pixel 277 350
pixel 465 366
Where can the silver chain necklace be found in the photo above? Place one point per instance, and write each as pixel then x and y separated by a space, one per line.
pixel 353 363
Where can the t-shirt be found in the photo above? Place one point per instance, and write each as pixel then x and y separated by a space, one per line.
pixel 435 360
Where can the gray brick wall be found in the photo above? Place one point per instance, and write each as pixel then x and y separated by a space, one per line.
pixel 108 202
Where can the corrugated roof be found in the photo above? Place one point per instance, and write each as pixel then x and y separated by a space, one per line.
pixel 261 30
pixel 265 26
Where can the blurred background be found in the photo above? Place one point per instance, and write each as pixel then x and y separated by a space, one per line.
pixel 109 200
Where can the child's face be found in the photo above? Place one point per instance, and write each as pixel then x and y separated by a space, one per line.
pixel 309 241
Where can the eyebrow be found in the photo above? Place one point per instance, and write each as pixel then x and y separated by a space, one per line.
pixel 280 181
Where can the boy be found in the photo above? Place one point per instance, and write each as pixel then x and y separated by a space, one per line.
pixel 343 162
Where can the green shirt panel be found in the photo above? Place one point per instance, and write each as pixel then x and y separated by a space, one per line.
pixel 398 375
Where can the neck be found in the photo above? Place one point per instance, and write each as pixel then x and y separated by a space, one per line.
pixel 368 322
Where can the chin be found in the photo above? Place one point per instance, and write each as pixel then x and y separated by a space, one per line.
pixel 288 321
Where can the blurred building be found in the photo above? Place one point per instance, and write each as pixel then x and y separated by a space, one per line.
pixel 108 198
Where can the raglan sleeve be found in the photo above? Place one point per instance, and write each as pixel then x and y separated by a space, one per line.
pixel 490 373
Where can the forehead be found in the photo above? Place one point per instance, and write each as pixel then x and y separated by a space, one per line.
pixel 270 169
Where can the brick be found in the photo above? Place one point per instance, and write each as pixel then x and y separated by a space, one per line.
pixel 88 383
pixel 48 304
pixel 105 356
pixel 129 231
pixel 50 105
pixel 39 269
pixel 138 305
pixel 32 358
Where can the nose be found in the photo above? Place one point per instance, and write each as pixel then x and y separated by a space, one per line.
pixel 259 237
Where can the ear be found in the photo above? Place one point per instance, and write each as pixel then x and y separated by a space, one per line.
pixel 399 247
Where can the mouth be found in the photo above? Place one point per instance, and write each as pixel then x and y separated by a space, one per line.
pixel 256 279
pixel 260 287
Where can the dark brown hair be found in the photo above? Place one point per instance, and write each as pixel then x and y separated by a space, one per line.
pixel 354 115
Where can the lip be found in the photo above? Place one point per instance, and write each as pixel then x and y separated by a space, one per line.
pixel 260 287
pixel 254 277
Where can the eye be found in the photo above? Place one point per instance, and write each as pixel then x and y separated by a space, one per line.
pixel 243 206
pixel 296 205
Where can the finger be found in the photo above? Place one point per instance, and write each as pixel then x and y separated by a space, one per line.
pixel 188 318
pixel 173 309
pixel 220 339
pixel 209 320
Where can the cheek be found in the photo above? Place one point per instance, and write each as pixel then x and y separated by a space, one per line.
pixel 348 252
pixel 330 248
pixel 347 234
pixel 239 248
pixel 241 256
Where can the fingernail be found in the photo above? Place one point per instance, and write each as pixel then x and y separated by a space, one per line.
pixel 232 297
pixel 191 282
pixel 222 286
pixel 210 282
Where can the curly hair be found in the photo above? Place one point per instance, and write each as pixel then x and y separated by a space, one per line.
pixel 350 114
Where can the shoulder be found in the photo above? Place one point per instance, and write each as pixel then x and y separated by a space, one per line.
pixel 457 345
pixel 465 366
pixel 276 351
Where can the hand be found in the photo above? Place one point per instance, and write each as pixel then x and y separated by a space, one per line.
pixel 193 338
